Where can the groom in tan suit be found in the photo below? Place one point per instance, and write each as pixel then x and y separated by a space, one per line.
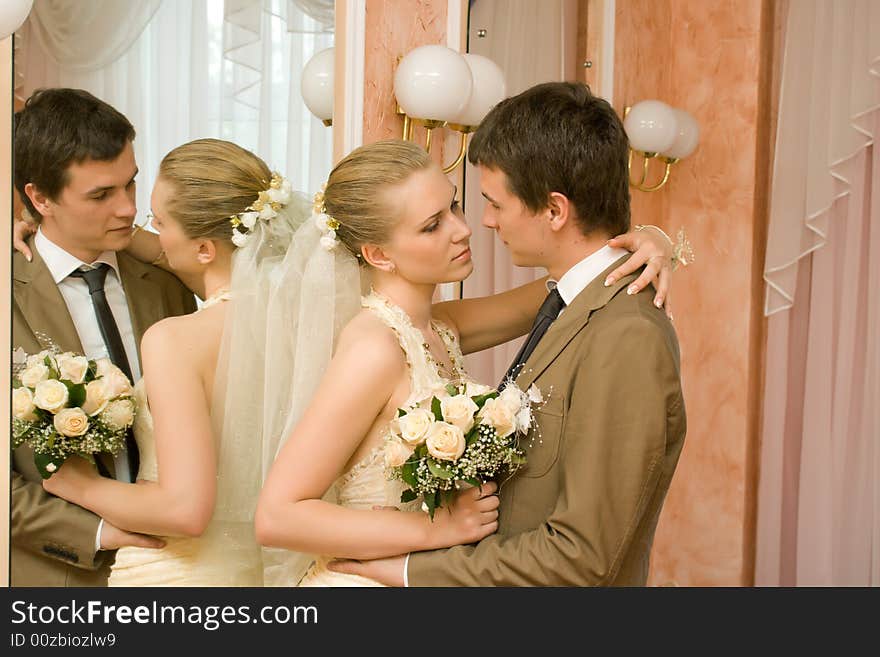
pixel 583 510
pixel 74 169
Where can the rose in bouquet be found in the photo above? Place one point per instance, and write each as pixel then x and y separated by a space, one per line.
pixel 465 433
pixel 64 404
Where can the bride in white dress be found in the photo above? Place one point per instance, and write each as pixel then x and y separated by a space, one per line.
pixel 388 209
pixel 188 492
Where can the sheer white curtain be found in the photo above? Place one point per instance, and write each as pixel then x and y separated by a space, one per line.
pixel 819 490
pixel 182 70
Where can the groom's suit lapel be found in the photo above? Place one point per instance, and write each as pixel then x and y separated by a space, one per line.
pixel 146 302
pixel 573 320
pixel 42 305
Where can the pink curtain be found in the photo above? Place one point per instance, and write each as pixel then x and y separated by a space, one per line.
pixel 819 487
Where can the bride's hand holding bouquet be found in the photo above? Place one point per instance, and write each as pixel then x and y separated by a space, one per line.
pixel 466 433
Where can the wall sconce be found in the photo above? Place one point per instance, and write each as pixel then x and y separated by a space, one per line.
pixel 436 86
pixel 657 130
pixel 13 14
pixel 316 85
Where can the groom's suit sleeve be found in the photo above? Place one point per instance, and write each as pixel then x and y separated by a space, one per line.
pixel 601 496
pixel 52 527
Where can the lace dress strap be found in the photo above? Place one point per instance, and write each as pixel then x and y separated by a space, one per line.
pixel 424 377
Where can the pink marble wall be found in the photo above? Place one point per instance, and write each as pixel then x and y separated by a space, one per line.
pixel 393 28
pixel 706 57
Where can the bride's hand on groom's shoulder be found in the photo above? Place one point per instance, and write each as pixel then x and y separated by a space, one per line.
pixel 21 230
pixel 653 249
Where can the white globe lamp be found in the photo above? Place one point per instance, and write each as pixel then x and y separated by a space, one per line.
pixel 488 90
pixel 12 14
pixel 317 85
pixel 651 126
pixel 433 84
pixel 686 138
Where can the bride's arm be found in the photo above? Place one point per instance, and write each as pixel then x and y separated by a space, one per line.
pixel 485 322
pixel 290 513
pixel 145 246
pixel 182 501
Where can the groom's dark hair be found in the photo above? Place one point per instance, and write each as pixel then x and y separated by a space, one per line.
pixel 60 127
pixel 559 137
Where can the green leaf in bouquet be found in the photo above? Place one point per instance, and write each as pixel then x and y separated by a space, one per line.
pixel 473 481
pixel 53 373
pixel 91 372
pixel 408 473
pixel 432 501
pixel 47 464
pixel 480 400
pixel 436 409
pixel 438 470
pixel 452 389
pixel 408 496
pixel 400 412
pixel 76 393
pixel 517 459
pixel 472 436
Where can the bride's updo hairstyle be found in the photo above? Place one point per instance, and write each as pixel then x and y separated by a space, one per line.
pixel 212 181
pixel 360 195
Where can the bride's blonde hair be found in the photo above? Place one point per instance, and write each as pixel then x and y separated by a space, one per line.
pixel 212 180
pixel 357 191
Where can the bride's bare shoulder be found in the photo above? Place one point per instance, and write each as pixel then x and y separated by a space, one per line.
pixel 367 334
pixel 193 338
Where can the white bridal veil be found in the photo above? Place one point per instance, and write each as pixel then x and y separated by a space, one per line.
pixel 290 299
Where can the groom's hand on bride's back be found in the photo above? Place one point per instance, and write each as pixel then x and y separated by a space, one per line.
pixel 112 538
pixel 471 516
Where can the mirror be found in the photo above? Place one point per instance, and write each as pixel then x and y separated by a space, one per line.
pixel 532 41
pixel 186 70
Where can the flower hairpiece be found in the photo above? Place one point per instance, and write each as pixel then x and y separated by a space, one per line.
pixel 325 223
pixel 266 207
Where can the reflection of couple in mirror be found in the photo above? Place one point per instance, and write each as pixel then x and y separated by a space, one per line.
pixel 261 455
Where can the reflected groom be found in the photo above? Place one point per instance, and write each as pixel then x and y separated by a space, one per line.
pixel 74 168
pixel 584 508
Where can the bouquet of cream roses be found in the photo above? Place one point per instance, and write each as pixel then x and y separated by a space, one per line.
pixel 64 404
pixel 466 433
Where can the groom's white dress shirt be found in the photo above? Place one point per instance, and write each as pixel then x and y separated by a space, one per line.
pixel 572 283
pixel 75 292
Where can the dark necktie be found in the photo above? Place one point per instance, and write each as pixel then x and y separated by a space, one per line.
pixel 95 278
pixel 547 314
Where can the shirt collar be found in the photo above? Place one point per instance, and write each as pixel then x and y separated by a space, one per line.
pixel 61 263
pixel 583 273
